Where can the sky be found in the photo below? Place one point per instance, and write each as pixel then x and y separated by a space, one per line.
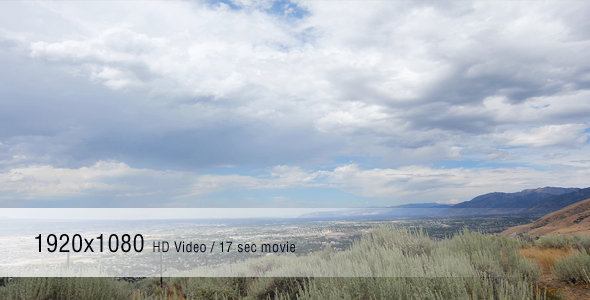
pixel 39 216
pixel 278 104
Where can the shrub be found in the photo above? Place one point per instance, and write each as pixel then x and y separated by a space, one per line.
pixel 49 288
pixel 579 242
pixel 582 242
pixel 574 269
pixel 556 242
pixel 399 263
pixel 389 263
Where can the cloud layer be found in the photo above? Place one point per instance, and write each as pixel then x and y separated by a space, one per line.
pixel 386 101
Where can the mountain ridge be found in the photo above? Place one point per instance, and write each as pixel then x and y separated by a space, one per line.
pixel 532 202
pixel 525 202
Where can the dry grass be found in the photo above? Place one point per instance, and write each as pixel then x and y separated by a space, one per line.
pixel 546 257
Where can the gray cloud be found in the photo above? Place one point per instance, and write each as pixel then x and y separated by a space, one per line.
pixel 198 85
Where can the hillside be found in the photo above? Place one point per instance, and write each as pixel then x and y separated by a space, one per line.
pixel 521 199
pixel 558 202
pixel 574 219
pixel 515 203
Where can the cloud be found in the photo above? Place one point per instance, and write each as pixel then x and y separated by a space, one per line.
pixel 280 198
pixel 413 183
pixel 418 183
pixel 356 118
pixel 405 88
pixel 568 135
pixel 47 182
pixel 278 177
pixel 451 201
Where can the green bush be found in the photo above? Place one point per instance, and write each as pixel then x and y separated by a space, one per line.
pixel 214 288
pixel 411 242
pixel 418 288
pixel 51 288
pixel 399 263
pixel 579 242
pixel 493 256
pixel 574 269
pixel 582 242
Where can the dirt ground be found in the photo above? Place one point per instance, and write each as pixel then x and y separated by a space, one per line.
pixel 566 290
pixel 546 259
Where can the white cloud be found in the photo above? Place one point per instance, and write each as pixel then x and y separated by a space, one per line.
pixel 419 182
pixel 412 183
pixel 366 68
pixel 280 198
pixel 357 116
pixel 278 177
pixel 115 78
pixel 451 201
pixel 47 181
pixel 415 183
pixel 564 108
pixel 568 135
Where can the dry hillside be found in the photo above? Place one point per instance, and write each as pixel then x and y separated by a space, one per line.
pixel 571 220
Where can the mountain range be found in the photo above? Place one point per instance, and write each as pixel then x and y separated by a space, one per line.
pixel 540 201
pixel 530 202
